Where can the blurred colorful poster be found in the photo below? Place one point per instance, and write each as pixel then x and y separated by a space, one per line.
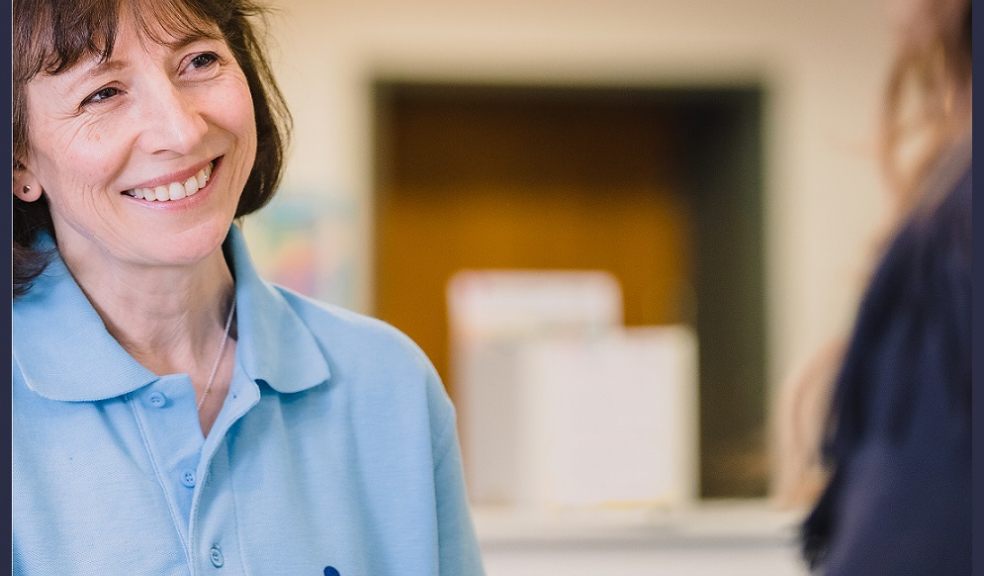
pixel 304 241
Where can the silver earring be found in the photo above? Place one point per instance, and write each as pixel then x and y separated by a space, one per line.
pixel 27 190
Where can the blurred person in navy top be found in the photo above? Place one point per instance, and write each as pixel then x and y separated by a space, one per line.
pixel 898 435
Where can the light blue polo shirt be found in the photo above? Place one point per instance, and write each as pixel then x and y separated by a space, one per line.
pixel 335 452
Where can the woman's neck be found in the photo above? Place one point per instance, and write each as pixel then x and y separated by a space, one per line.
pixel 171 319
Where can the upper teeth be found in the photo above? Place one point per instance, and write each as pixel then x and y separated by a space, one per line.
pixel 175 190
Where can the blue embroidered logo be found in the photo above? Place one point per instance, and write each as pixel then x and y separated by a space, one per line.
pixel 330 571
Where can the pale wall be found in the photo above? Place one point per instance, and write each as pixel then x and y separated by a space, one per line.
pixel 822 63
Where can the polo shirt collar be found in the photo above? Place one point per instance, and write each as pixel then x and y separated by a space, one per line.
pixel 275 345
pixel 65 352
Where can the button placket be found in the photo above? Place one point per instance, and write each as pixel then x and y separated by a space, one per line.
pixel 213 521
pixel 173 439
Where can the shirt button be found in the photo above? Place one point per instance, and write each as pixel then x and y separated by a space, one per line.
pixel 215 555
pixel 156 399
pixel 188 478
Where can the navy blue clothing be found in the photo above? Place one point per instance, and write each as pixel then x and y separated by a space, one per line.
pixel 899 439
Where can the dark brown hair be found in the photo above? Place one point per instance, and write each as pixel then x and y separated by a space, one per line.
pixel 51 36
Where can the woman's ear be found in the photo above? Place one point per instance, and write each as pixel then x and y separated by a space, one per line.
pixel 25 186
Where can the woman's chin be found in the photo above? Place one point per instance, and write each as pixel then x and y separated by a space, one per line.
pixel 185 250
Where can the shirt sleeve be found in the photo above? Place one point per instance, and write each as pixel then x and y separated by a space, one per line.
pixel 459 553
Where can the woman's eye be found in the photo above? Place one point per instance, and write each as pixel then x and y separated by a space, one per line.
pixel 204 60
pixel 101 95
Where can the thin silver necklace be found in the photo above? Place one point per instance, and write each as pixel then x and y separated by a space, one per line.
pixel 218 359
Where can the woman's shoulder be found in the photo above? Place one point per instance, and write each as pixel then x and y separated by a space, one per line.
pixel 377 362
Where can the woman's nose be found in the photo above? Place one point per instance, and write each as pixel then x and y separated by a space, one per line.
pixel 174 122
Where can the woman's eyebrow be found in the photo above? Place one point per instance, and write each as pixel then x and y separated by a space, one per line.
pixel 99 68
pixel 106 66
pixel 189 38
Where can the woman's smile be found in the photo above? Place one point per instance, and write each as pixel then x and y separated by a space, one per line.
pixel 178 189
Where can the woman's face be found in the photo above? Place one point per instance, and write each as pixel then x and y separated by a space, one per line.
pixel 143 157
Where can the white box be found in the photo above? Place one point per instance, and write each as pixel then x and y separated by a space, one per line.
pixel 611 421
pixel 493 315
pixel 559 405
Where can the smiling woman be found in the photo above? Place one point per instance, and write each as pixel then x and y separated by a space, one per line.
pixel 166 398
pixel 145 119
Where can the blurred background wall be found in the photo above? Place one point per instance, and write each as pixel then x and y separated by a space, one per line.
pixel 815 70
pixel 751 225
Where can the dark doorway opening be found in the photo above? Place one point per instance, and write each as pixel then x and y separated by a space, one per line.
pixel 662 187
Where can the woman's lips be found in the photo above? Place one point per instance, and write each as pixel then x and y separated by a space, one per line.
pixel 177 190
